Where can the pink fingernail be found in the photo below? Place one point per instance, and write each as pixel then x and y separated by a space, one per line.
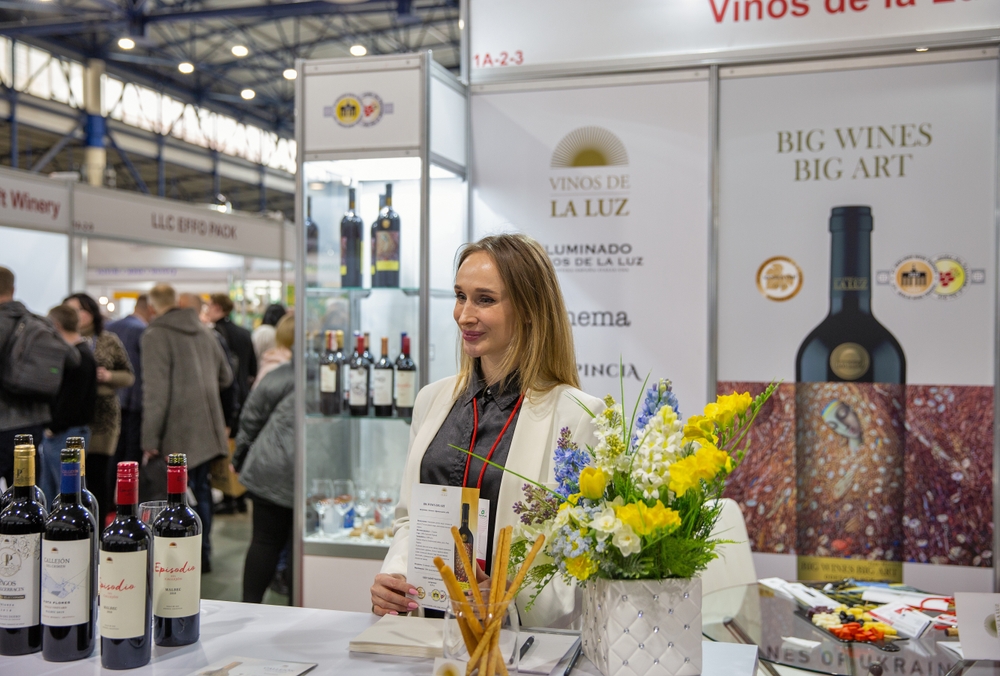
pixel 413 591
pixel 393 612
pixel 412 605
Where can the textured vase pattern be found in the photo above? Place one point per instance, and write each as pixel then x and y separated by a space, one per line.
pixel 643 627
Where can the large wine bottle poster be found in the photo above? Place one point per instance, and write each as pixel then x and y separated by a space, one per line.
pixel 856 263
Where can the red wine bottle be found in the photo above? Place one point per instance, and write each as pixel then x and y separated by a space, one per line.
pixel 87 498
pixel 8 495
pixel 176 563
pixel 468 541
pixel 360 378
pixel 351 245
pixel 330 398
pixel 126 597
pixel 21 528
pixel 406 381
pixel 385 247
pixel 382 377
pixel 69 571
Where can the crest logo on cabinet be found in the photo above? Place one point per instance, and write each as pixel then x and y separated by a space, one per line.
pixel 350 110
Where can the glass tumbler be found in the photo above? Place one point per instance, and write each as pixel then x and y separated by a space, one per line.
pixel 502 640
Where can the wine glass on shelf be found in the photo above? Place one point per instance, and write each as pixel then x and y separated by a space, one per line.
pixel 364 498
pixel 385 507
pixel 321 497
pixel 343 498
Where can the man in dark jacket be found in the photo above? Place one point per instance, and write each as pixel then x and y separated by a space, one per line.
pixel 183 367
pixel 18 415
pixel 240 344
pixel 130 330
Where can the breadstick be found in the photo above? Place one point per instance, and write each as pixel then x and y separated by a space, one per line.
pixel 519 578
pixel 497 555
pixel 470 572
pixel 494 652
pixel 467 635
pixel 477 655
pixel 455 590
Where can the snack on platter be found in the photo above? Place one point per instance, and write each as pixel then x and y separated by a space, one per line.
pixel 855 624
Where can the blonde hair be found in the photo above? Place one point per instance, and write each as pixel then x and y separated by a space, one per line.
pixel 542 347
pixel 284 332
pixel 162 297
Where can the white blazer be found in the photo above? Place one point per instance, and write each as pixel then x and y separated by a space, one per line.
pixel 532 448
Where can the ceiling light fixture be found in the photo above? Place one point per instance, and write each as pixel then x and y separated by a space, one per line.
pixel 922 49
pixel 240 51
pixel 111 307
pixel 248 94
pixel 290 73
pixel 358 50
pixel 126 43
pixel 103 300
pixel 185 67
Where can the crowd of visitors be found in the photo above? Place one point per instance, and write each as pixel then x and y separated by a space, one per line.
pixel 175 376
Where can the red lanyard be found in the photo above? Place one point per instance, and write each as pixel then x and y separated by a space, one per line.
pixel 472 446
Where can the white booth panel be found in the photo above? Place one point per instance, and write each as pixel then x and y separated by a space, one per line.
pixel 447 122
pixel 40 263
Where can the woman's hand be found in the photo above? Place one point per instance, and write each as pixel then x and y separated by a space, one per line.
pixel 103 375
pixel 389 595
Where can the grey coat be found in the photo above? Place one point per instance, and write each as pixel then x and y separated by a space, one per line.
pixel 183 369
pixel 267 427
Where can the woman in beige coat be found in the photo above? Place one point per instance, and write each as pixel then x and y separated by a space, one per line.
pixel 516 391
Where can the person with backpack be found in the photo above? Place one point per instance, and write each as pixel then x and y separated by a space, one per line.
pixel 32 360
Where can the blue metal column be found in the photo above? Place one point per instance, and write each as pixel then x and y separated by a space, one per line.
pixel 95 157
pixel 15 151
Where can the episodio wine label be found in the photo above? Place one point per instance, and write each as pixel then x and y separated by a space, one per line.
pixel 123 594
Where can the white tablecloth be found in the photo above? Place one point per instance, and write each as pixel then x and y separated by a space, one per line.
pixel 300 635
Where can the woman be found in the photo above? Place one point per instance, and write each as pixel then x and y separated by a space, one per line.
pixel 265 459
pixel 284 336
pixel 114 371
pixel 263 337
pixel 518 378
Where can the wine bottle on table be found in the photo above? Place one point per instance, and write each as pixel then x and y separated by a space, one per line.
pixel 176 562
pixel 330 398
pixel 87 498
pixel 23 440
pixel 382 377
pixel 385 235
pixel 470 551
pixel 360 377
pixel 21 527
pixel 406 381
pixel 351 245
pixel 850 405
pixel 125 579
pixel 69 571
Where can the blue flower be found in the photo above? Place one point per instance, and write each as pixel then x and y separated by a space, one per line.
pixel 658 396
pixel 569 460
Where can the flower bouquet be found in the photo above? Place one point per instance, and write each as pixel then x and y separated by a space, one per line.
pixel 631 521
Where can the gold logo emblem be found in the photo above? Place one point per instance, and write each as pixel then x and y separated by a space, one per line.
pixel 914 277
pixel 589 147
pixel 951 276
pixel 849 361
pixel 779 278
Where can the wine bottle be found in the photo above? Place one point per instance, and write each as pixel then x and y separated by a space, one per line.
pixel 382 377
pixel 385 237
pixel 360 378
pixel 312 245
pixel 176 563
pixel 21 528
pixel 8 495
pixel 343 360
pixel 406 381
pixel 850 414
pixel 125 579
pixel 69 570
pixel 87 498
pixel 470 550
pixel 313 358
pixel 330 397
pixel 351 245
pixel 372 239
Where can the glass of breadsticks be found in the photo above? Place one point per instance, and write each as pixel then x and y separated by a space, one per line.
pixel 481 626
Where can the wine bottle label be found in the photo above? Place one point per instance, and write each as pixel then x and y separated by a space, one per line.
pixel 849 471
pixel 65 582
pixel 328 378
pixel 20 580
pixel 382 387
pixel 849 361
pixel 406 388
pixel 123 594
pixel 359 387
pixel 386 251
pixel 176 576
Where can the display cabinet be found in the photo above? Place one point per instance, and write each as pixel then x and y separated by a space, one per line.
pixel 391 133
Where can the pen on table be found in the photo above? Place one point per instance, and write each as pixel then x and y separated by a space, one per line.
pixel 576 656
pixel 525 646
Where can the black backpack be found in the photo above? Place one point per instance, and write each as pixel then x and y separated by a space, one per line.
pixel 34 359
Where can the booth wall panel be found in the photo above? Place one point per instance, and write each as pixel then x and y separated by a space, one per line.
pixel 40 263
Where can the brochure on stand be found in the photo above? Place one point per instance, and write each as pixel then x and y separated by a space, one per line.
pixel 251 666
pixel 433 512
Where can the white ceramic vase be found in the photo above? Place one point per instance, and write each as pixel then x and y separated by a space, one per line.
pixel 643 627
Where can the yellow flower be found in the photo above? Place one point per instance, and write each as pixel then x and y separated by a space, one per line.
pixel 581 567
pixel 646 520
pixel 592 483
pixel 699 427
pixel 706 463
pixel 726 407
pixel 663 517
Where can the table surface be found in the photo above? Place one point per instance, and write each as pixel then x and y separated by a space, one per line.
pixel 756 614
pixel 293 634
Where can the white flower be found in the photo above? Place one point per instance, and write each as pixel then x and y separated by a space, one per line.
pixel 627 541
pixel 659 442
pixel 606 523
